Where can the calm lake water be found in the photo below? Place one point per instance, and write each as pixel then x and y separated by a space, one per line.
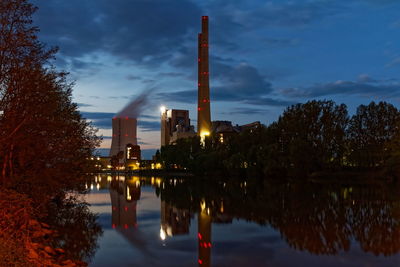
pixel 237 222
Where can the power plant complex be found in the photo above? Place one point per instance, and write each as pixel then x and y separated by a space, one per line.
pixel 175 123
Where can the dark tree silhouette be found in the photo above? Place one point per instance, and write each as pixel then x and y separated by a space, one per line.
pixel 45 146
pixel 371 133
pixel 42 136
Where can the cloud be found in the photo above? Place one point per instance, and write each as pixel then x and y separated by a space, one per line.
pixel 83 105
pixel 97 115
pixel 365 78
pixel 103 120
pixel 151 117
pixel 131 77
pixel 185 96
pixel 142 31
pixel 245 110
pixel 233 83
pixel 171 74
pixel 190 96
pixel 267 101
pixel 381 2
pixel 366 87
pixel 102 123
pixel 281 41
pixel 241 81
pixel 149 126
pixel 394 62
pixel 277 13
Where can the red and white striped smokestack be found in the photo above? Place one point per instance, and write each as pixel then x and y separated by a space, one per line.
pixel 203 101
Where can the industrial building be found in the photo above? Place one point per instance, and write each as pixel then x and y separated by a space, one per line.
pixel 175 124
pixel 124 142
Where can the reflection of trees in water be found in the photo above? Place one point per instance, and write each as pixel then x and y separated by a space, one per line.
pixel 376 226
pixel 319 218
pixel 77 229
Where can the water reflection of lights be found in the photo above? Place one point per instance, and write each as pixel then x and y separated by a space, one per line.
pixel 109 178
pixel 91 187
pixel 97 186
pixel 202 205
pixel 162 234
pixel 128 194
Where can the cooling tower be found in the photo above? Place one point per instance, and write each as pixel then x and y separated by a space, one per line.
pixel 124 133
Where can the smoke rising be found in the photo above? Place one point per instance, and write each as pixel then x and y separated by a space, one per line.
pixel 135 107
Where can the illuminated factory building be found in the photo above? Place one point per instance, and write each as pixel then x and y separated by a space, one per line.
pixel 175 124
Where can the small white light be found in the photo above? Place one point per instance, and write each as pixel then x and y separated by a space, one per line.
pixel 163 109
pixel 162 234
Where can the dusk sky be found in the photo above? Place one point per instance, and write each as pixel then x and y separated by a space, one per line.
pixel 264 56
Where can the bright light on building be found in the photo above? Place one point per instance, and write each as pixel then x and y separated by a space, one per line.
pixel 163 109
pixel 204 133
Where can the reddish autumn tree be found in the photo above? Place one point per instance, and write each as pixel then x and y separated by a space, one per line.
pixel 44 143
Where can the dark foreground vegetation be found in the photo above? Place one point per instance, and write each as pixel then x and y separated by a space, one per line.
pixel 44 150
pixel 318 136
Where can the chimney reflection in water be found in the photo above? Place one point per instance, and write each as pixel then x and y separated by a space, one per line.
pixel 204 235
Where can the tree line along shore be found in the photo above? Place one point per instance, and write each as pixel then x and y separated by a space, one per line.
pixel 308 139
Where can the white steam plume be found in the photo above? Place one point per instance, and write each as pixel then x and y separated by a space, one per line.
pixel 135 107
